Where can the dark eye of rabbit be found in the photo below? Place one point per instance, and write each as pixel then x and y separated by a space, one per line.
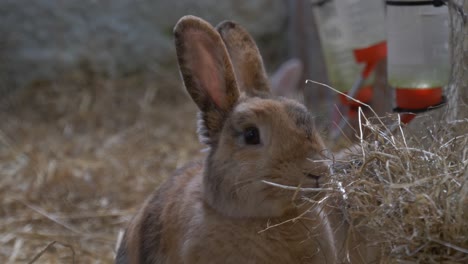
pixel 251 136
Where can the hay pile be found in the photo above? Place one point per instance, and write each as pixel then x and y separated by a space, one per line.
pixel 78 157
pixel 408 190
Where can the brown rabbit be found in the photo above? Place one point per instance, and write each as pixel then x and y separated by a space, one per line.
pixel 221 210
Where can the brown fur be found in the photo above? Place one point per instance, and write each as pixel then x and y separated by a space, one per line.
pixel 215 211
pixel 245 56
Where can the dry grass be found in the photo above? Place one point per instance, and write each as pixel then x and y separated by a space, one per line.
pixel 409 190
pixel 76 160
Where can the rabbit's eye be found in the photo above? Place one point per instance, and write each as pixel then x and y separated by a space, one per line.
pixel 252 136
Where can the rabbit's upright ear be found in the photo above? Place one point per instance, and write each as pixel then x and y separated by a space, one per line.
pixel 246 58
pixel 207 72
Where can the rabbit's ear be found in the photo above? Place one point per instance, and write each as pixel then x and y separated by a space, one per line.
pixel 285 80
pixel 246 58
pixel 207 72
pixel 205 65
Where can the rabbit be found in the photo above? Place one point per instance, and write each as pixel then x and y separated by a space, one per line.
pixel 222 210
pixel 284 81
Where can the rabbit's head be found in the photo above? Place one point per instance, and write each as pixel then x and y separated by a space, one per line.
pixel 253 135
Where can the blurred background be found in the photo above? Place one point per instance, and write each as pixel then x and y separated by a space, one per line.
pixel 45 40
pixel 93 114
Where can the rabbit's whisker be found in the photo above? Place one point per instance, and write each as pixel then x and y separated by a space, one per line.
pixel 241 184
pixel 295 188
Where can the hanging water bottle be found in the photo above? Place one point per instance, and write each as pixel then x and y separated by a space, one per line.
pixel 418 53
pixel 364 27
pixel 341 67
pixel 353 38
pixel 352 33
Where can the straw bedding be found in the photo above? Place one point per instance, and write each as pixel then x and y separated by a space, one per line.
pixel 407 189
pixel 78 157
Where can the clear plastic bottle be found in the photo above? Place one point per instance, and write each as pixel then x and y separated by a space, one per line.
pixel 341 67
pixel 347 26
pixel 352 33
pixel 418 55
pixel 363 22
pixel 418 46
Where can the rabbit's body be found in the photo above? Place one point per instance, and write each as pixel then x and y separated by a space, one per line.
pixel 222 210
pixel 191 231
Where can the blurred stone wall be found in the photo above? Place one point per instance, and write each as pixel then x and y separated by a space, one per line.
pixel 46 39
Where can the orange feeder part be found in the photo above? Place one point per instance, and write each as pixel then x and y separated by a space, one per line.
pixel 364 95
pixel 412 101
pixel 370 57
